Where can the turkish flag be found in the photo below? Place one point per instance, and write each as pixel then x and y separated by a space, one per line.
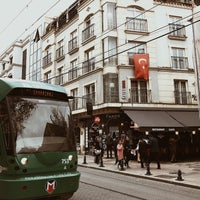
pixel 141 62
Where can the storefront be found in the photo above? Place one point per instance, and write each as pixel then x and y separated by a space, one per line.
pixel 164 124
pixel 183 124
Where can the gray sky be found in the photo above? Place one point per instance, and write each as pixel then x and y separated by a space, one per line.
pixel 18 16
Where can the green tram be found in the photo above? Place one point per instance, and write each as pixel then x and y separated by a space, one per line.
pixel 38 157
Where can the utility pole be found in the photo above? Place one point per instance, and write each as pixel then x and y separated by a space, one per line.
pixel 197 3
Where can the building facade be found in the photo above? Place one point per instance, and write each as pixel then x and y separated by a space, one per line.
pixel 133 60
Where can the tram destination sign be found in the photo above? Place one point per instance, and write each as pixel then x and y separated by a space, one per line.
pixel 38 93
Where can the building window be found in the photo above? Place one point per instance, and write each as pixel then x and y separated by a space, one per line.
pixel 89 94
pixel 176 27
pixel 11 60
pixel 139 92
pixel 35 63
pixel 4 66
pixel 110 51
pixel 73 43
pixel 135 48
pixel 111 88
pixel 136 20
pixel 74 102
pixel 88 32
pixel 24 61
pixel 47 58
pixel 180 92
pixel 59 77
pixel 47 77
pixel 179 61
pixel 89 63
pixel 73 72
pixel 60 50
pixel 109 16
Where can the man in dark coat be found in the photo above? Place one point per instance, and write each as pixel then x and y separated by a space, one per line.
pixel 155 154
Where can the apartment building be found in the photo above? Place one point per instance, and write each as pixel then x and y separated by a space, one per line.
pixel 133 60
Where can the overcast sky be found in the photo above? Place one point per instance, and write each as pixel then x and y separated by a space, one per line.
pixel 17 16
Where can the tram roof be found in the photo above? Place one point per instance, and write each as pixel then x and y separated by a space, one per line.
pixel 8 84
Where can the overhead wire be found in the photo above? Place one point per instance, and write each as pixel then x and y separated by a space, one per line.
pixel 106 32
pixel 148 41
pixel 26 29
pixel 12 20
pixel 100 35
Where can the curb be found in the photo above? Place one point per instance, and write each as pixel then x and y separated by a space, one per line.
pixel 174 182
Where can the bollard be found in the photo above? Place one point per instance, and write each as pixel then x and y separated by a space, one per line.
pixel 84 158
pixel 101 161
pixel 179 177
pixel 148 169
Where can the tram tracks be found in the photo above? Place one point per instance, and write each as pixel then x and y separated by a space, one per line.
pixel 112 190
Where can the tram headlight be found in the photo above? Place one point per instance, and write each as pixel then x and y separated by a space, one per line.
pixel 24 161
pixel 70 157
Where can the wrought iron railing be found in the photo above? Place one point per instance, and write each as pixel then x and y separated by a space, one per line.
pixel 136 24
pixel 88 32
pixel 140 96
pixel 182 97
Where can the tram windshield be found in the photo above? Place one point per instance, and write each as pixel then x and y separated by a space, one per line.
pixel 40 125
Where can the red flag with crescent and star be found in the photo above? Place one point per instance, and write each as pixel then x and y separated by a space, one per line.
pixel 141 63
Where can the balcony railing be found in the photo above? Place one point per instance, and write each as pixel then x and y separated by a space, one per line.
pixel 46 60
pixel 60 79
pixel 140 96
pixel 72 74
pixel 179 62
pixel 88 65
pixel 182 97
pixel 88 97
pixel 136 24
pixel 88 33
pixel 73 44
pixel 111 96
pixel 178 30
pixel 74 104
pixel 185 2
pixel 59 52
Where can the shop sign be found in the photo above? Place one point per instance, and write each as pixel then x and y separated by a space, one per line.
pixel 158 129
pixel 97 119
pixel 114 116
pixel 95 126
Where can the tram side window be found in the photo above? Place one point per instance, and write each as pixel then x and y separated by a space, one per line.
pixel 5 126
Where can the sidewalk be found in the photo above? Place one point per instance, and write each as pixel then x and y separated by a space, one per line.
pixel 190 171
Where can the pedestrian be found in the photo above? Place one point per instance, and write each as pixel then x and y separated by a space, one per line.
pixel 144 150
pixel 115 142
pixel 97 150
pixel 120 154
pixel 109 145
pixel 173 147
pixel 155 150
pixel 127 151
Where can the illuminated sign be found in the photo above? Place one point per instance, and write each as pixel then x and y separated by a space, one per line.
pixel 43 93
pixel 39 93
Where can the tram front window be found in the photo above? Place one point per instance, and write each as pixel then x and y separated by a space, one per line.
pixel 41 125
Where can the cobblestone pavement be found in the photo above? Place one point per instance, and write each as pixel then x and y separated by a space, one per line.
pixel 181 173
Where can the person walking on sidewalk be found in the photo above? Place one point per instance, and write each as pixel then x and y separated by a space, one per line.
pixel 120 154
pixel 155 150
pixel 109 145
pixel 97 150
pixel 127 151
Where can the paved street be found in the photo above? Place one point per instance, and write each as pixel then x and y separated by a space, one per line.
pixel 190 171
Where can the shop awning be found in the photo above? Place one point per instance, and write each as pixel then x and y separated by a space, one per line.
pixel 188 119
pixel 154 120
